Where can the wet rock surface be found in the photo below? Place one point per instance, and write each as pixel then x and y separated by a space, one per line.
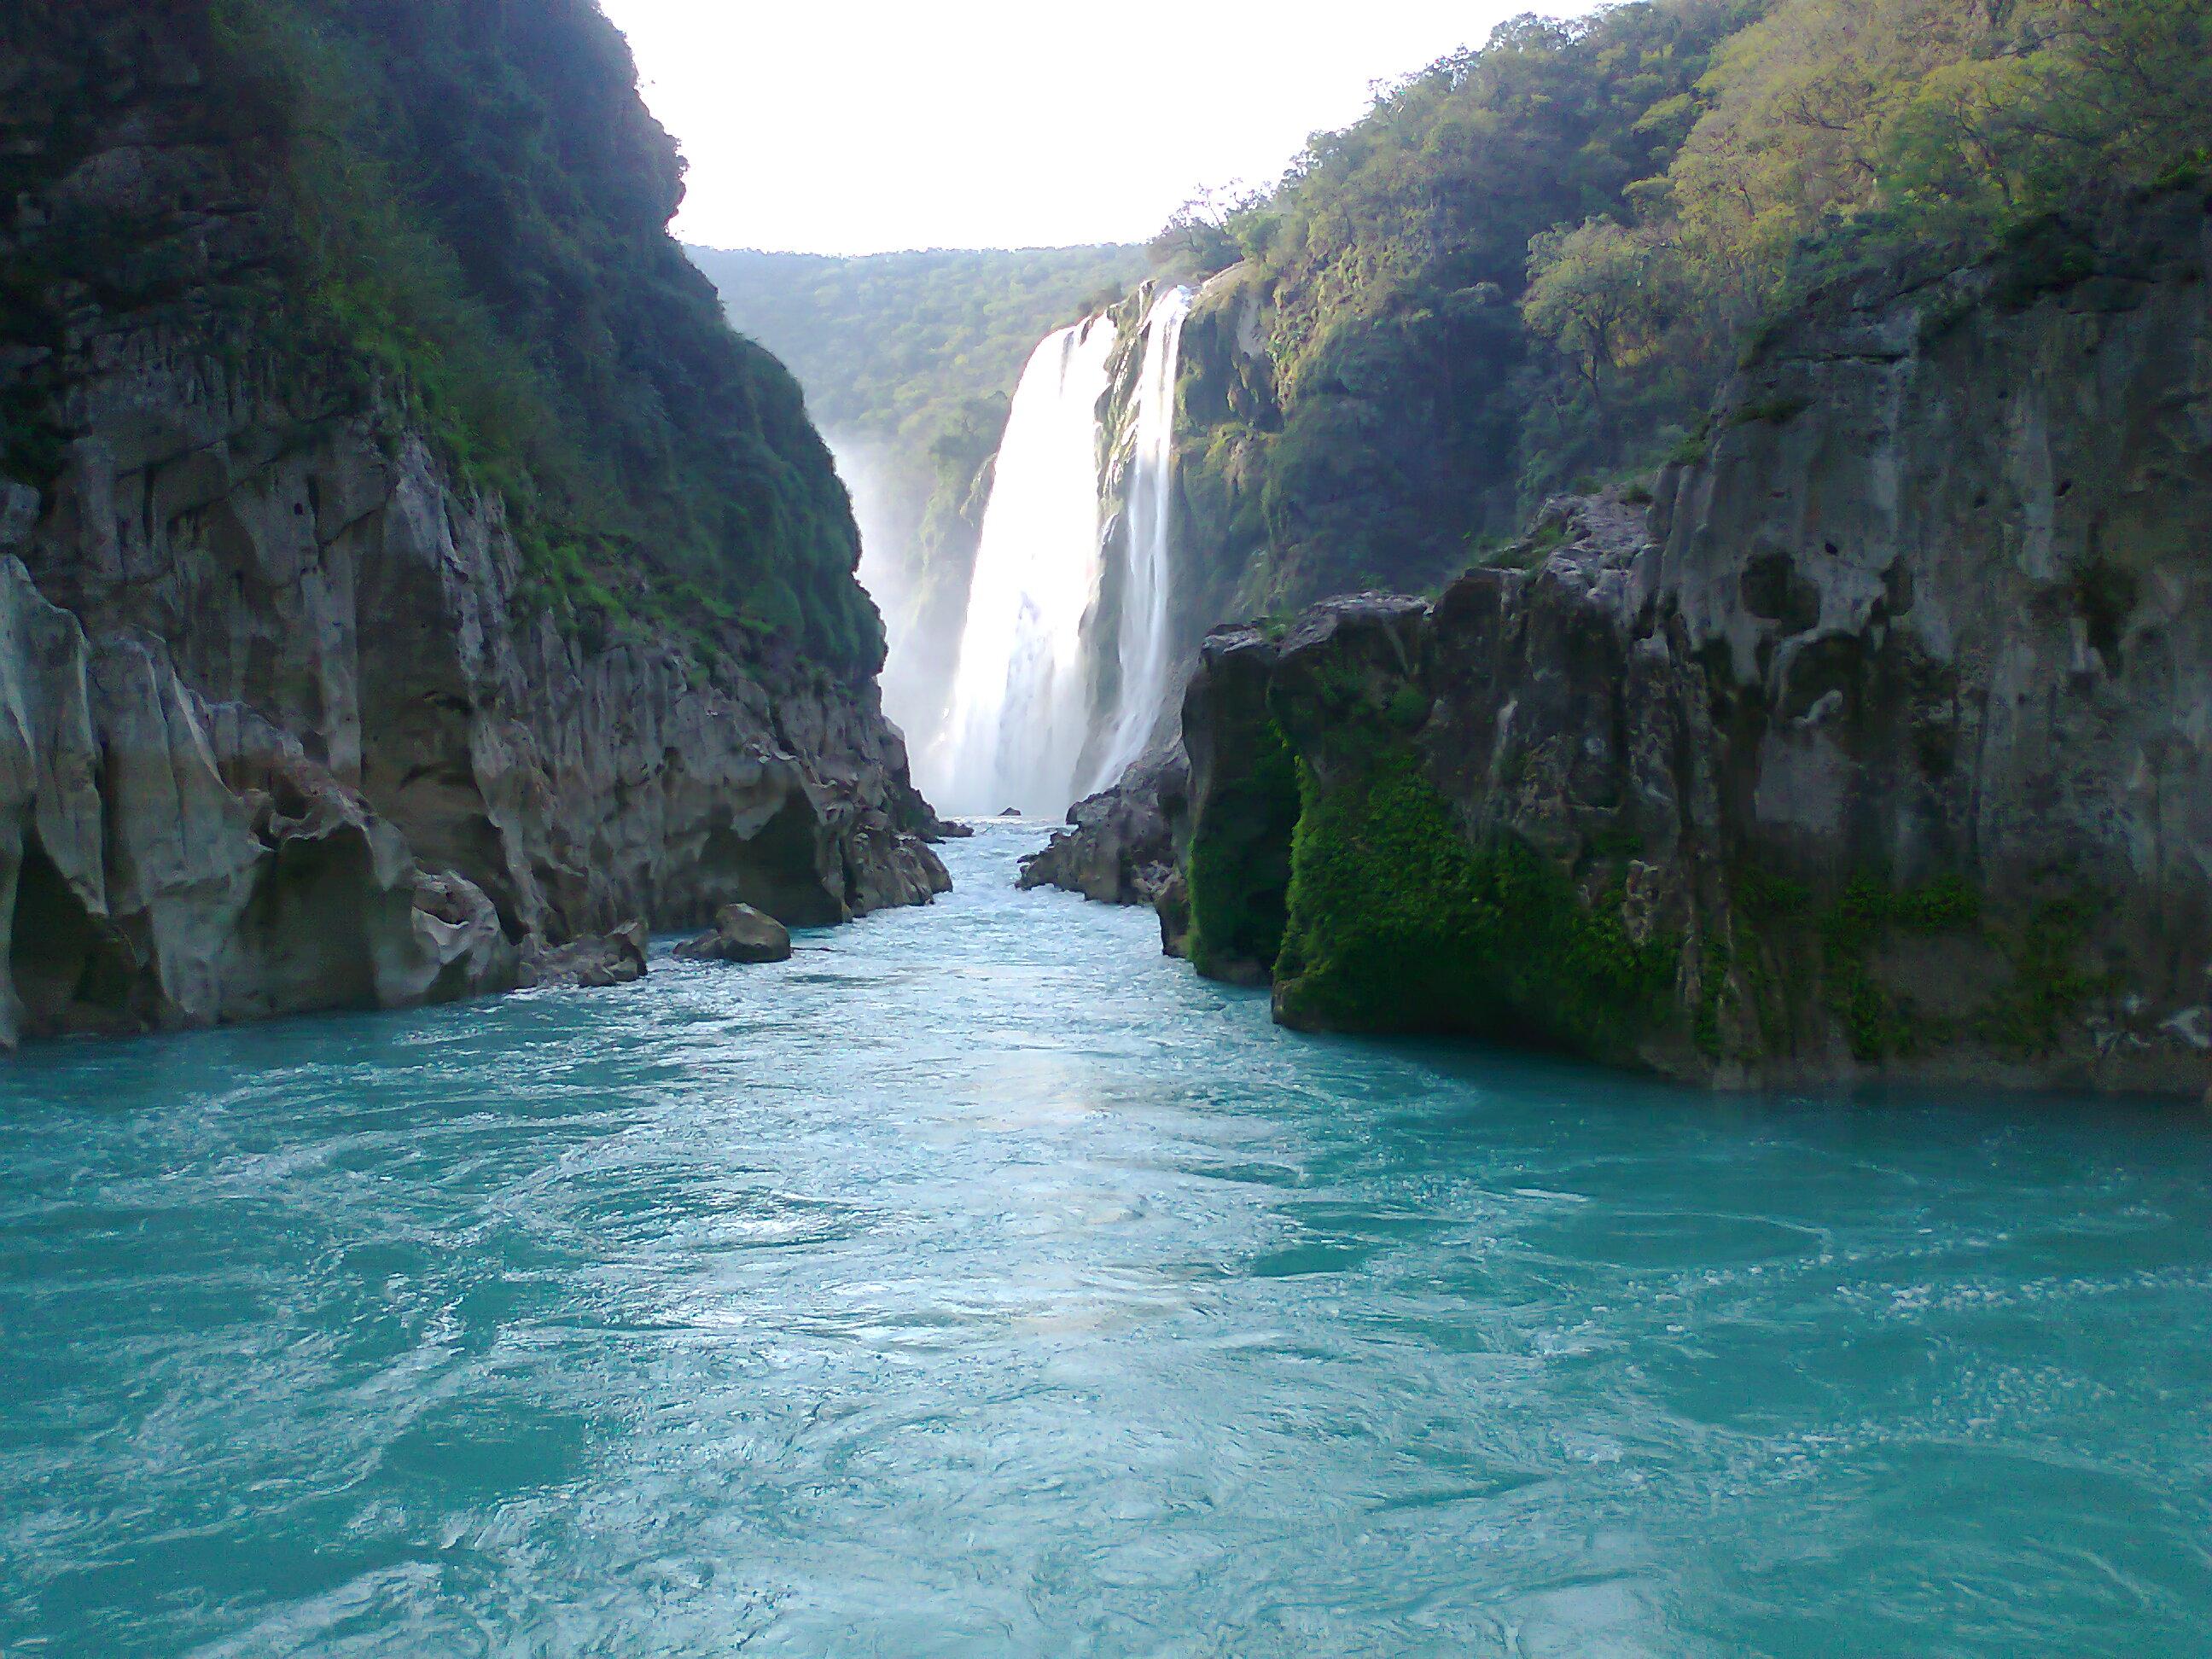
pixel 1117 848
pixel 740 933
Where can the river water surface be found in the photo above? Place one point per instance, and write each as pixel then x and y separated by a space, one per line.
pixel 981 1283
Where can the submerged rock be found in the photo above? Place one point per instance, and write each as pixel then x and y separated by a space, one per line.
pixel 740 933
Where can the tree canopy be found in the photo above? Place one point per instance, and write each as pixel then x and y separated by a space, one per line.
pixel 1531 263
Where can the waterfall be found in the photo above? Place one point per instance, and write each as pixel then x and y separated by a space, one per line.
pixel 1029 726
pixel 1143 636
pixel 1020 712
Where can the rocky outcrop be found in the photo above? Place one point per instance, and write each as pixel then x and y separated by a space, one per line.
pixel 1878 746
pixel 283 662
pixel 167 862
pixel 1117 848
pixel 592 963
pixel 740 933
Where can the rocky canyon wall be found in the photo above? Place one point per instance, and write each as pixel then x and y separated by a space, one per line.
pixel 279 736
pixel 1878 742
pixel 285 723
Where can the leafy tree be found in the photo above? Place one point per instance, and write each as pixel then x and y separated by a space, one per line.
pixel 1596 291
pixel 1932 122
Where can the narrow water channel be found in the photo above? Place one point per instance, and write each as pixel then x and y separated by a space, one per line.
pixel 981 1283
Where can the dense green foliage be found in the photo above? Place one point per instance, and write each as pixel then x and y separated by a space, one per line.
pixel 1531 265
pixel 1239 871
pixel 892 342
pixel 1396 923
pixel 1395 253
pixel 1841 139
pixel 480 203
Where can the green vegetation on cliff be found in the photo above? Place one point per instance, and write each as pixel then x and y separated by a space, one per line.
pixel 1405 412
pixel 471 206
pixel 2037 984
pixel 1532 264
pixel 1396 923
pixel 1240 869
pixel 1842 139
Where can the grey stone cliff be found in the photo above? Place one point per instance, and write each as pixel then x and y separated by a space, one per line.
pixel 282 725
pixel 279 737
pixel 1887 728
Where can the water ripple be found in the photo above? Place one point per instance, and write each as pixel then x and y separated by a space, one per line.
pixel 981 1283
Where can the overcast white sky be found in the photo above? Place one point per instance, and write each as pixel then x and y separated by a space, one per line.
pixel 855 126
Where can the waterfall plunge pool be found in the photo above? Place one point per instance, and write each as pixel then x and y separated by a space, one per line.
pixel 980 1282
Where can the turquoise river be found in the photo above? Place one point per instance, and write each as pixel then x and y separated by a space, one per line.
pixel 981 1283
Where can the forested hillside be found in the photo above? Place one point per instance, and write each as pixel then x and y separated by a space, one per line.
pixel 880 339
pixel 474 217
pixel 1533 263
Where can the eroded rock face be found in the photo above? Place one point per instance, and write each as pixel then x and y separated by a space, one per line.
pixel 260 729
pixel 1880 745
pixel 169 862
pixel 1117 848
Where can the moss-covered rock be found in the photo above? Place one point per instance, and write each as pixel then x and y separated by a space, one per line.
pixel 1397 922
pixel 1675 805
pixel 1243 806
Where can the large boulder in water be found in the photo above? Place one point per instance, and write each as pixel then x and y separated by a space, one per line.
pixel 741 933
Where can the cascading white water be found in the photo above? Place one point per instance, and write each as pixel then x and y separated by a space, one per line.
pixel 1020 711
pixel 1143 636
pixel 1026 727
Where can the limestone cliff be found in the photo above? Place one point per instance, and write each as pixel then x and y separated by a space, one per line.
pixel 289 718
pixel 1880 744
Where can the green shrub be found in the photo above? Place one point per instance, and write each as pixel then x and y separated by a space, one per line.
pixel 2030 1017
